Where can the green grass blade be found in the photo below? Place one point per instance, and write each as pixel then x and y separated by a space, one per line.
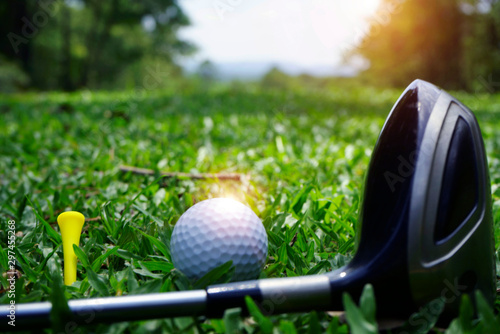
pixel 232 322
pixel 81 256
pixel 60 314
pixel 214 275
pixel 266 326
pixel 99 261
pixel 97 282
pixel 158 244
pixel 358 323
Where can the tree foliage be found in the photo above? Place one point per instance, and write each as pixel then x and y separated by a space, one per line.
pixel 90 43
pixel 452 43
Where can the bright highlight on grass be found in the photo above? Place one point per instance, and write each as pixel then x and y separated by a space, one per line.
pixel 70 224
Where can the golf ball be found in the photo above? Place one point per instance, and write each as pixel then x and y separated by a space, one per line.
pixel 217 230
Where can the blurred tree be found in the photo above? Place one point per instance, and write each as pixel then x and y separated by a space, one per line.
pixel 12 78
pixel 17 57
pixel 69 44
pixel 207 71
pixel 435 40
pixel 482 46
pixel 275 78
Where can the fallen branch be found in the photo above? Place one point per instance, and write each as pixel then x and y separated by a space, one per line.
pixel 198 176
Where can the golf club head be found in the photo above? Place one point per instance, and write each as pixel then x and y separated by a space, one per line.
pixel 425 228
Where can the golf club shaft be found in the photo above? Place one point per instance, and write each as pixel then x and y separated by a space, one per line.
pixel 110 309
pixel 273 296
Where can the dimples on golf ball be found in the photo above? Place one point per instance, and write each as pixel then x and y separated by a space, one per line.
pixel 215 231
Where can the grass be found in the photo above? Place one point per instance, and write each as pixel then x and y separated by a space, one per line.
pixel 306 151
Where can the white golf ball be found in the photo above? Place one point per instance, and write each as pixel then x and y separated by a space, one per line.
pixel 214 231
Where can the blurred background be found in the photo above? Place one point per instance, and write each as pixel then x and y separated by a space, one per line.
pixel 69 45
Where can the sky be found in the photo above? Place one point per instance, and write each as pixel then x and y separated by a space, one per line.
pixel 305 33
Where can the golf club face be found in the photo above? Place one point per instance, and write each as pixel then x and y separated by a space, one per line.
pixel 451 240
pixel 425 228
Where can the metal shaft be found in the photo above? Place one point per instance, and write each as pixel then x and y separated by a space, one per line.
pixel 273 295
pixel 109 309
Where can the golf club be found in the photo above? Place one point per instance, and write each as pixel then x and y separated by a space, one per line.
pixel 425 232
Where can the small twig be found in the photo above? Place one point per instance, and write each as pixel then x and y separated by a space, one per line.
pixel 293 240
pixel 199 176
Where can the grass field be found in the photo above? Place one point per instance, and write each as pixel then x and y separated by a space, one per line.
pixel 305 151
